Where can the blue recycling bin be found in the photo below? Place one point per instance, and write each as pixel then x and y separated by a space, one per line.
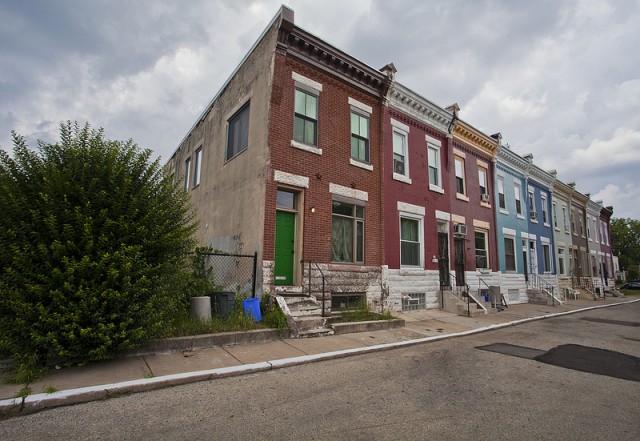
pixel 252 309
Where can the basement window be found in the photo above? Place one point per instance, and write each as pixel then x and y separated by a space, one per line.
pixel 414 301
pixel 346 302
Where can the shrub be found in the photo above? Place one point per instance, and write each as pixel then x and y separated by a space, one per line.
pixel 92 237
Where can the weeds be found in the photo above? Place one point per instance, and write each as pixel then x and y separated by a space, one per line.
pixel 362 313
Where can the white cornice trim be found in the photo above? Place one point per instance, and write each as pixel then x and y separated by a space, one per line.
pixel 411 104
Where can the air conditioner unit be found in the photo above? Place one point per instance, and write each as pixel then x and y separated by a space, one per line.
pixel 460 229
pixel 533 215
pixel 484 197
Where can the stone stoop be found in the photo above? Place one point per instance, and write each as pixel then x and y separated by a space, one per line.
pixel 304 315
pixel 453 304
pixel 538 297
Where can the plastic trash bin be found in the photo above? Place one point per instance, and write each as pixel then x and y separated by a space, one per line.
pixel 252 309
pixel 223 303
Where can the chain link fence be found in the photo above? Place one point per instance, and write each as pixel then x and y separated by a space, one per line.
pixel 234 273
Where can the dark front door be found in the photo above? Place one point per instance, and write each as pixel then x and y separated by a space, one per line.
pixel 285 247
pixel 443 259
pixel 458 260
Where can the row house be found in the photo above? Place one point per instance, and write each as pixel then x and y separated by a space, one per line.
pixel 418 164
pixel 475 257
pixel 561 205
pixel 286 161
pixel 512 227
pixel 337 176
pixel 540 261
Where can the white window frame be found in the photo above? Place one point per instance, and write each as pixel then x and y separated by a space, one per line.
pixel 311 87
pixel 515 254
pixel 545 210
pixel 564 219
pixel 486 248
pixel 434 145
pixel 500 185
pixel 554 209
pixel 546 258
pixel 402 130
pixel 531 203
pixel 460 160
pixel 411 212
pixel 562 268
pixel 517 190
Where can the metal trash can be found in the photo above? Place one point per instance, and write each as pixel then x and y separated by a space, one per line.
pixel 223 303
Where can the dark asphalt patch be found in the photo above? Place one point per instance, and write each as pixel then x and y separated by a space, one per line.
pixel 516 351
pixel 594 361
pixel 611 322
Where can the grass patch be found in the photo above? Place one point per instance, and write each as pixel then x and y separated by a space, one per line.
pixel 629 292
pixel 272 318
pixel 362 313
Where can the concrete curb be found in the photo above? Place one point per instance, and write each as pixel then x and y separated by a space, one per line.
pixel 36 402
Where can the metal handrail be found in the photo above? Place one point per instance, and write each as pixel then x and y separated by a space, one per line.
pixel 457 292
pixel 546 287
pixel 323 283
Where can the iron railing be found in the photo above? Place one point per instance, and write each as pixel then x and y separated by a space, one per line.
pixel 309 268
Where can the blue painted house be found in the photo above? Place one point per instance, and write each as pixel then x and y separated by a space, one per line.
pixel 512 226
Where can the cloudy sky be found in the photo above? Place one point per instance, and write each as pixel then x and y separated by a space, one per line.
pixel 559 78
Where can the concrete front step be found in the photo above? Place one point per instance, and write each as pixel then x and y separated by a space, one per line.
pixel 316 332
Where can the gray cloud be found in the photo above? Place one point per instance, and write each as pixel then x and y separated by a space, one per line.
pixel 558 79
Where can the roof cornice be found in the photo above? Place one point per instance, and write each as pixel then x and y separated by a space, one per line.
pixel 412 104
pixel 511 159
pixel 297 43
pixel 541 176
pixel 472 137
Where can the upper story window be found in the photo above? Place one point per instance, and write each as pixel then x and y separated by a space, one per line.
pixel 305 124
pixel 433 158
pixel 400 151
pixel 510 253
pixel 555 215
pixel 347 233
pixel 238 132
pixel 573 224
pixel 533 214
pixel 564 219
pixel 197 167
pixel 359 137
pixel 482 180
pixel 518 194
pixel 545 210
pixel 187 173
pixel 459 168
pixel 502 203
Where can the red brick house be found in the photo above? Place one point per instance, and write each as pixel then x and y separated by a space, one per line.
pixel 286 161
pixel 417 199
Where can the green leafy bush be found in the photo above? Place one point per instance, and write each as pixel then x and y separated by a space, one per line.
pixel 93 241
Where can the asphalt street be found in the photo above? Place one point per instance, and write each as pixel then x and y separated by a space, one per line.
pixel 450 389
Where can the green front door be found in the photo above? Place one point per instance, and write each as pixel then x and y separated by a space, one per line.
pixel 285 237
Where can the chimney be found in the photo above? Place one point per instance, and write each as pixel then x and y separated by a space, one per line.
pixel 529 157
pixel 553 173
pixel 390 71
pixel 453 108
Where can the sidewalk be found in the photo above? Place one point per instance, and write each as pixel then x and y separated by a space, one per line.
pixel 99 380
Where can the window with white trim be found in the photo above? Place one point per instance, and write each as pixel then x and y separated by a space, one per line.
pixel 359 137
pixel 305 120
pixel 400 153
pixel 545 209
pixel 561 268
pixel 564 219
pixel 410 241
pixel 532 206
pixel 546 253
pixel 433 157
pixel 517 190
pixel 555 215
pixel 502 203
pixel 460 178
pixel 510 253
pixel 482 255
pixel 197 167
pixel 347 233
pixel 482 180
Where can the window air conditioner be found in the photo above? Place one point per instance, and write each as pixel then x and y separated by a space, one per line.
pixel 533 215
pixel 484 197
pixel 460 229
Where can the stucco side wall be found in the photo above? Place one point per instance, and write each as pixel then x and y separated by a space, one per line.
pixel 229 200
